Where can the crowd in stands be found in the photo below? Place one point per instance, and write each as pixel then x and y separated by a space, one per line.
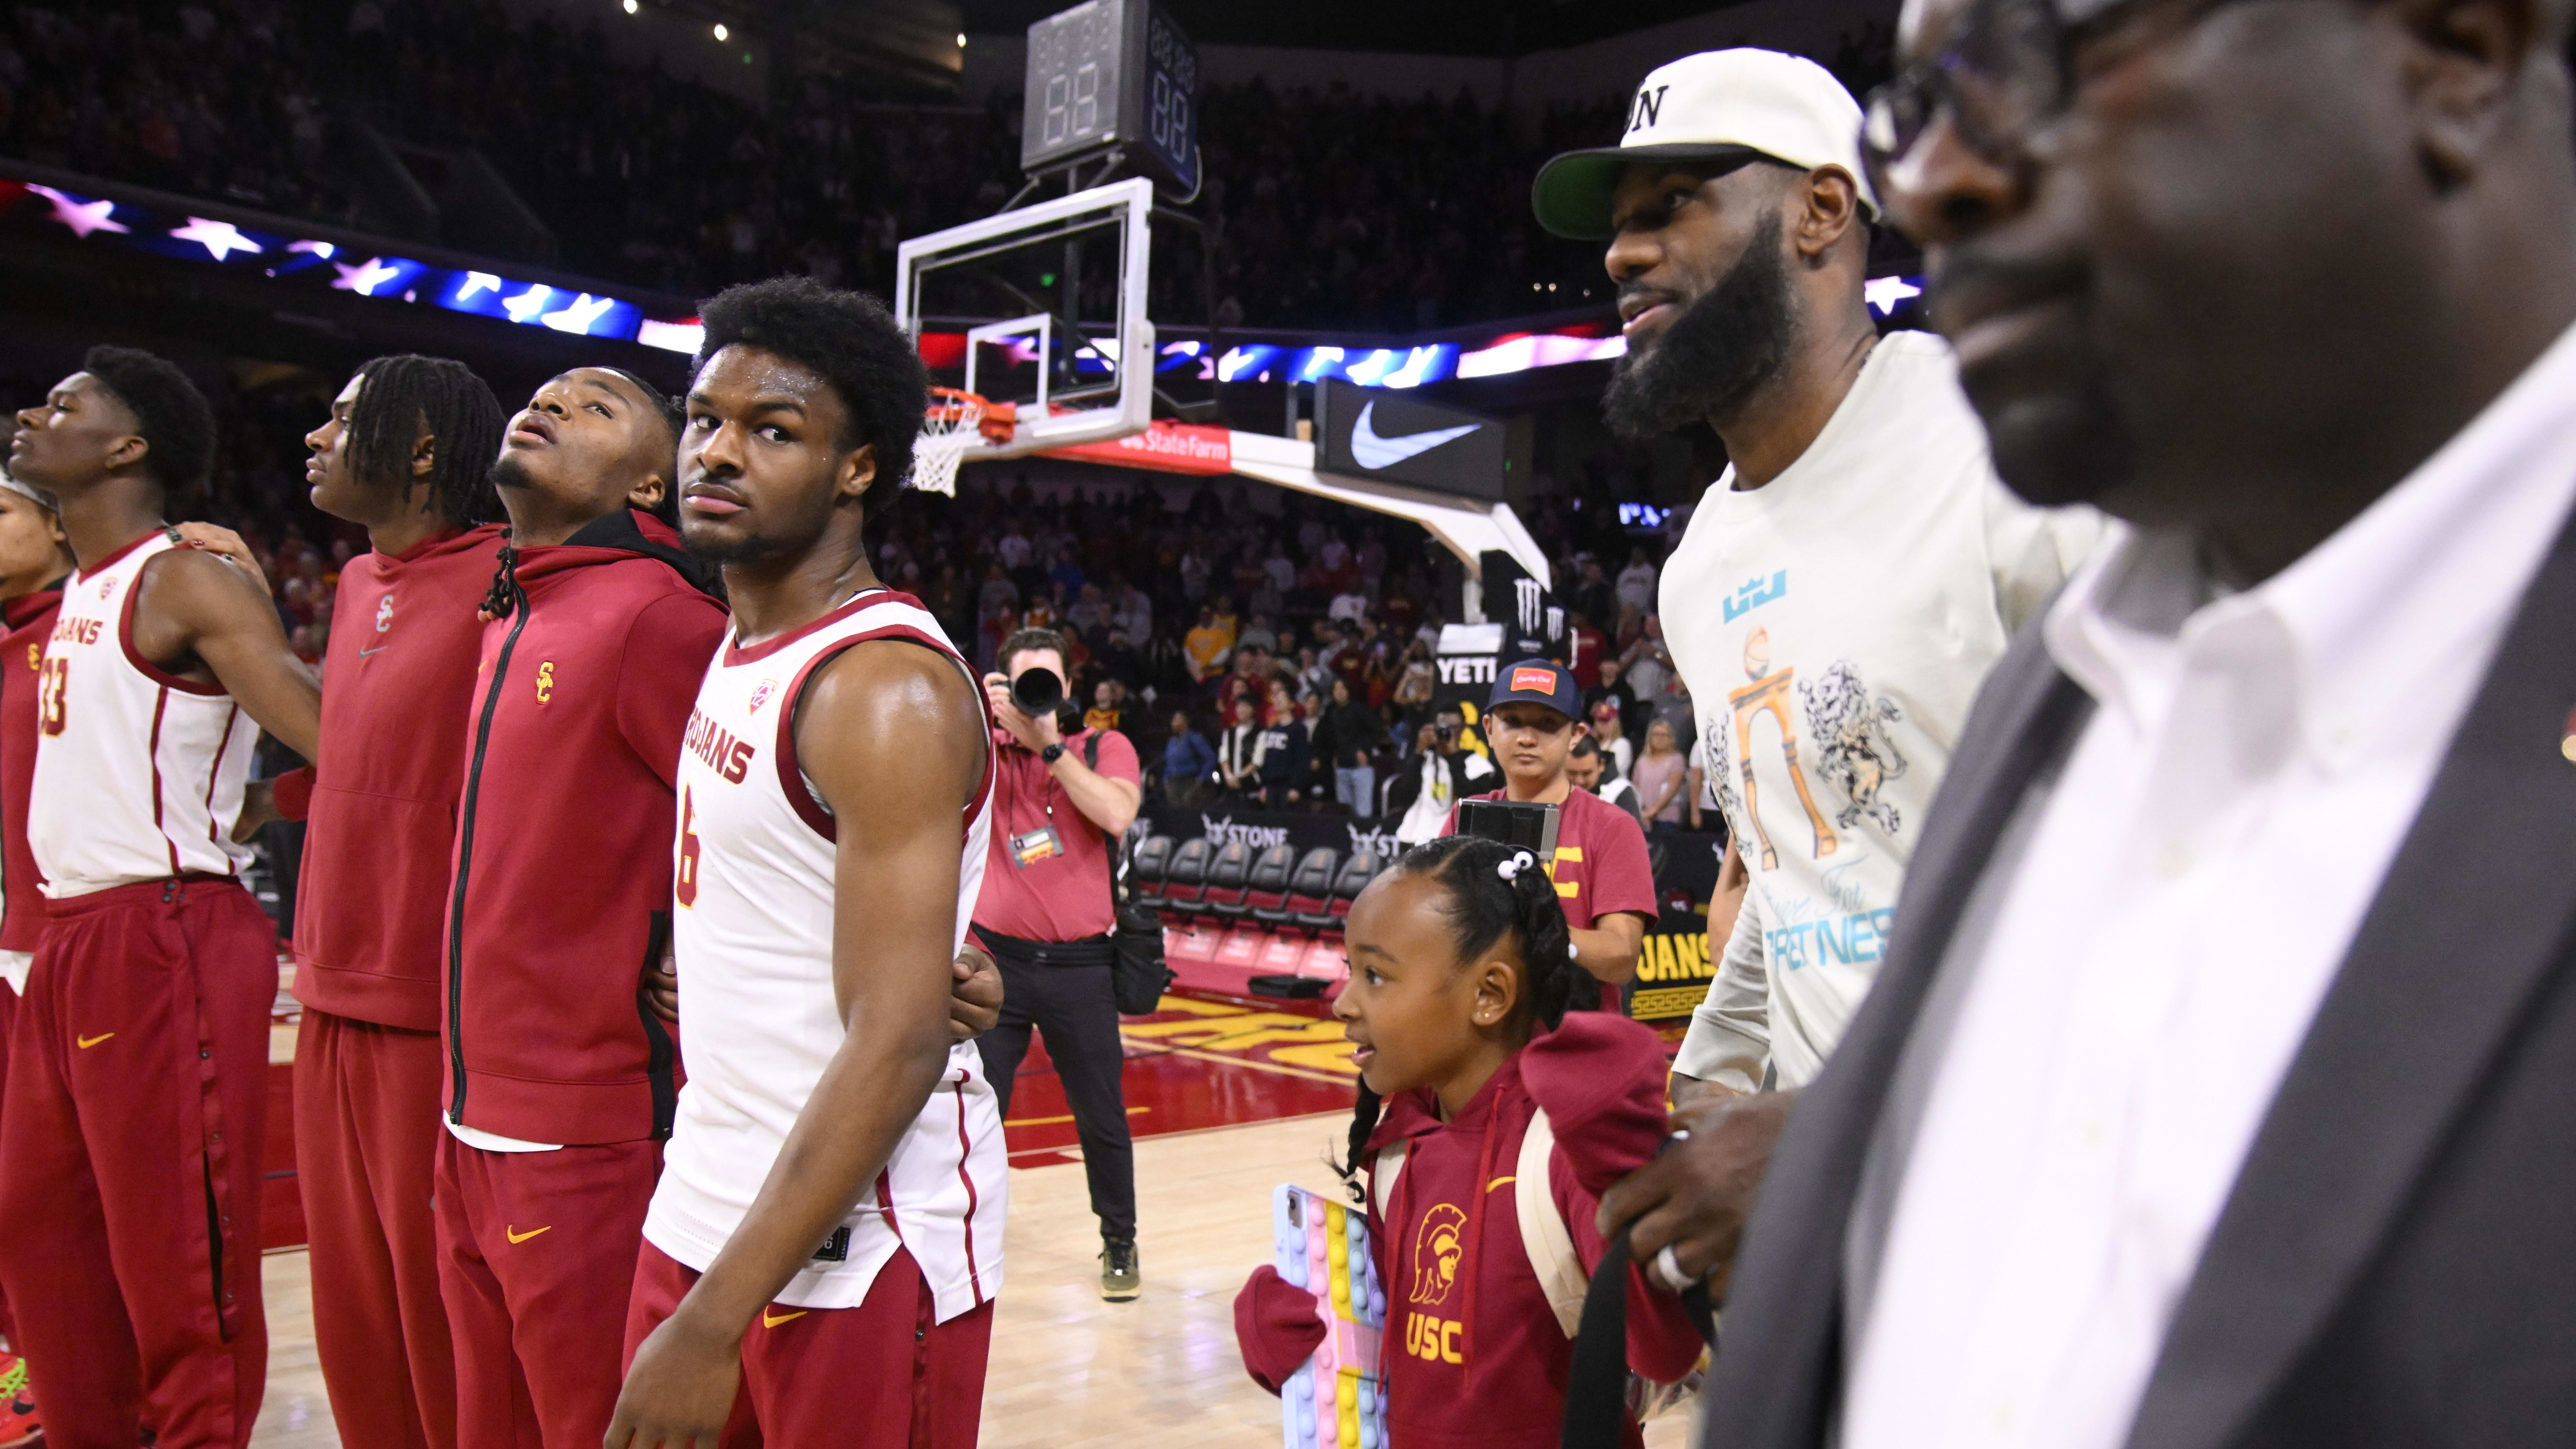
pixel 1279 660
pixel 1329 209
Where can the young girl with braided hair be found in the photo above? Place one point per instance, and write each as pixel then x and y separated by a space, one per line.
pixel 1460 974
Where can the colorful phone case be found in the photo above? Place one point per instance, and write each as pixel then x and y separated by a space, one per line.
pixel 1337 1400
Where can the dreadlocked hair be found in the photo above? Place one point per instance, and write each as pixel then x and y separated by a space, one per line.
pixel 1493 891
pixel 406 394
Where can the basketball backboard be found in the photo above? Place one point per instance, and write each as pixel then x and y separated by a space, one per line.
pixel 1042 308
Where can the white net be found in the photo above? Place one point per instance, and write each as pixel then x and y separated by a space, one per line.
pixel 950 426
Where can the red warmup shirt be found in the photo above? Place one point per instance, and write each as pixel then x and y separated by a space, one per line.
pixel 1475 1357
pixel 30 617
pixel 562 890
pixel 1040 889
pixel 379 811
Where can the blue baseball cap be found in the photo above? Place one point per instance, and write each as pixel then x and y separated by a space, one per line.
pixel 1536 681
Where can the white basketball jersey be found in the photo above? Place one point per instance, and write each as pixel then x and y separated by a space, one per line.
pixel 752 936
pixel 139 772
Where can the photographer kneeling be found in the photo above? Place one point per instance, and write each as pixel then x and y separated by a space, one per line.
pixel 1059 805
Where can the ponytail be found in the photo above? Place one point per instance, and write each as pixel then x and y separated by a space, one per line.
pixel 1493 891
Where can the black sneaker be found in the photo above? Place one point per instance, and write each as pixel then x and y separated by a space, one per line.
pixel 1120 1278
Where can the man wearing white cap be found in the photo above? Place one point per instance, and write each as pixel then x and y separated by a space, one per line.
pixel 1845 585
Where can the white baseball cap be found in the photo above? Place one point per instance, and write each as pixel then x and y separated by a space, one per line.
pixel 30 492
pixel 1717 106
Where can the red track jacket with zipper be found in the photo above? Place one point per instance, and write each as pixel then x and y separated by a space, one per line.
pixel 29 617
pixel 562 889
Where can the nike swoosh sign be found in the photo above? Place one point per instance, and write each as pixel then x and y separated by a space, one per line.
pixel 90 1041
pixel 379 649
pixel 1371 451
pixel 768 1320
pixel 518 1237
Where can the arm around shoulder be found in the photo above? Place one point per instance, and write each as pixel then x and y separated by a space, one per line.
pixel 194 603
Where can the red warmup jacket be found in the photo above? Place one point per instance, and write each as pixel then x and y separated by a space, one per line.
pixel 1475 1357
pixel 379 811
pixel 29 617
pixel 562 890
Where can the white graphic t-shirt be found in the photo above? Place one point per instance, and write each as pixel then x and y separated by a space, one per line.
pixel 1832 627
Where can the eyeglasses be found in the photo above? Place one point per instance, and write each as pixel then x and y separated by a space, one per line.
pixel 2007 71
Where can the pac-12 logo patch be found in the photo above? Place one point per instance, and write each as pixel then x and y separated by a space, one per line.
pixel 384 613
pixel 761 692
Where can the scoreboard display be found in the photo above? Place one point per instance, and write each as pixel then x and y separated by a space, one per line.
pixel 1113 73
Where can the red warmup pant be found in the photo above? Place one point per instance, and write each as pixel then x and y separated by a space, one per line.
pixel 366 1149
pixel 536 1253
pixel 138 1086
pixel 882 1374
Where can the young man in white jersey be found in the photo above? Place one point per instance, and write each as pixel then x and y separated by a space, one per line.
pixel 822 1253
pixel 1842 590
pixel 137 1094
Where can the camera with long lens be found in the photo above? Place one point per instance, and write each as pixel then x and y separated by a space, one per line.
pixel 1039 692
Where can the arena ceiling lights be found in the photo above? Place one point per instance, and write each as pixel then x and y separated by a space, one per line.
pixel 303 261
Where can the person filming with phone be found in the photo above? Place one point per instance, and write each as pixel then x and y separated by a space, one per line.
pixel 1060 804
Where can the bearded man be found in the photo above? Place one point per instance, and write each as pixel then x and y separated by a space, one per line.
pixel 1846 583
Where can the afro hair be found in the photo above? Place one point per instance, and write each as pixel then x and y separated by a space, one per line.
pixel 170 414
pixel 846 337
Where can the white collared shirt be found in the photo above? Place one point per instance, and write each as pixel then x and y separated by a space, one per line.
pixel 2191 885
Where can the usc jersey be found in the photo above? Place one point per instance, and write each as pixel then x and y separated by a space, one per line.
pixel 752 936
pixel 139 772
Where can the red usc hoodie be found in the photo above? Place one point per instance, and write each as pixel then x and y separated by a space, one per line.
pixel 1475 1357
pixel 380 820
pixel 29 617
pixel 562 888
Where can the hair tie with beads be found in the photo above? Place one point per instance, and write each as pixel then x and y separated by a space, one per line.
pixel 1520 860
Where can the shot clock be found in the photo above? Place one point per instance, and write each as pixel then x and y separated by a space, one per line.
pixel 1113 73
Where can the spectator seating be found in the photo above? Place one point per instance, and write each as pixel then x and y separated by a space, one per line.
pixel 1349 881
pixel 1147 865
pixel 1310 890
pixel 1229 882
pixel 1268 897
pixel 1185 881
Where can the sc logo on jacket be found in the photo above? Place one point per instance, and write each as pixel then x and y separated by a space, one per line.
pixel 545 681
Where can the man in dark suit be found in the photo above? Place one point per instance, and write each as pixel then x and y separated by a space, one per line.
pixel 2216 1086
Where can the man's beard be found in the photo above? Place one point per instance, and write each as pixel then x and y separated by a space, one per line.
pixel 1713 357
pixel 511 471
pixel 703 544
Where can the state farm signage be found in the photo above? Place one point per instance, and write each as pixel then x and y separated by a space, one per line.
pixel 1166 447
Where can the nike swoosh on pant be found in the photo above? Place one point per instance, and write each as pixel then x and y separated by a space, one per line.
pixel 1371 451
pixel 767 1321
pixel 90 1041
pixel 518 1237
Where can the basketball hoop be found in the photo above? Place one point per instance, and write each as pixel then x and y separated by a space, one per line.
pixel 955 421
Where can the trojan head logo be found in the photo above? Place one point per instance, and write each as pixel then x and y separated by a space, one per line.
pixel 761 692
pixel 384 613
pixel 545 681
pixel 1438 1244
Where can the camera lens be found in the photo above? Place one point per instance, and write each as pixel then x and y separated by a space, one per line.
pixel 1037 691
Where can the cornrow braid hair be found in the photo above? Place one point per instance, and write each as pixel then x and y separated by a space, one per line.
pixel 405 393
pixel 1494 891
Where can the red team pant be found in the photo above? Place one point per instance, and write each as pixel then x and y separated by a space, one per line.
pixel 882 1374
pixel 536 1252
pixel 8 1014
pixel 132 1128
pixel 366 1148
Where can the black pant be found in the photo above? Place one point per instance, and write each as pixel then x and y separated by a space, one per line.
pixel 1073 1006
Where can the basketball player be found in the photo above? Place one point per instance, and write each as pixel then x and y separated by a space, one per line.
pixel 559 1079
pixel 34 558
pixel 821 1258
pixel 407 453
pixel 137 1089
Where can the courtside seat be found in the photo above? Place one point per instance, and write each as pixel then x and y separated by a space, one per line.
pixel 1310 888
pixel 1185 880
pixel 1350 880
pixel 1229 880
pixel 1146 866
pixel 1268 897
